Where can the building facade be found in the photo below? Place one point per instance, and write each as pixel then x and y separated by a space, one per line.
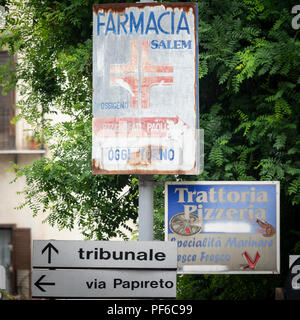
pixel 18 228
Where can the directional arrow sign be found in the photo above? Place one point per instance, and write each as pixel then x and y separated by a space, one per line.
pixel 41 285
pixel 103 284
pixel 74 254
pixel 49 247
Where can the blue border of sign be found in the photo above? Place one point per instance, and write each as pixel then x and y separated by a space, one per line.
pixel 196 269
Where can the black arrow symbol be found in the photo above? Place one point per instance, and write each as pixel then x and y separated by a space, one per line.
pixel 49 247
pixel 38 283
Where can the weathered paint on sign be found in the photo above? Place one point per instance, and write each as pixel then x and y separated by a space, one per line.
pixel 145 82
pixel 229 227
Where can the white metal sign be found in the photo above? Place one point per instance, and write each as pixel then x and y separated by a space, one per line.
pixel 103 284
pixel 224 226
pixel 104 254
pixel 145 88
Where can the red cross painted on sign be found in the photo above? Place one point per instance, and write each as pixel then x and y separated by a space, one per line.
pixel 139 75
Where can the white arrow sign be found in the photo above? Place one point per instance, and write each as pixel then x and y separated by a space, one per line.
pixel 103 284
pixel 73 254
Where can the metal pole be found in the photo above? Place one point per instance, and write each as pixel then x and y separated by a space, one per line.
pixel 146 201
pixel 146 208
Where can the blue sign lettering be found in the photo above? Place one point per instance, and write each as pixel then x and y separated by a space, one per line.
pixel 137 25
pixel 171 44
pixel 224 209
pixel 145 154
pixel 122 23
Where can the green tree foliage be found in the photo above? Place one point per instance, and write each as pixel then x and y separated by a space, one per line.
pixel 249 109
pixel 52 40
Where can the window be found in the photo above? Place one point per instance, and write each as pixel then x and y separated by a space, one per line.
pixel 7 112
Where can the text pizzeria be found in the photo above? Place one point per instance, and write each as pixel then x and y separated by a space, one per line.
pixel 194 202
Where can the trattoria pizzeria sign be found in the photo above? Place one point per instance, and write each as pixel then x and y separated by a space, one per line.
pixel 145 88
pixel 229 227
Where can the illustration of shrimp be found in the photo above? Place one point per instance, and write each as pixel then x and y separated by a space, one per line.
pixel 267 229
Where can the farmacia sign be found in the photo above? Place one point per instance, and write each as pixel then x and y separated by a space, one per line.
pixel 145 89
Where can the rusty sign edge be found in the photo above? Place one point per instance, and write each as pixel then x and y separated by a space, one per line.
pixel 195 169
